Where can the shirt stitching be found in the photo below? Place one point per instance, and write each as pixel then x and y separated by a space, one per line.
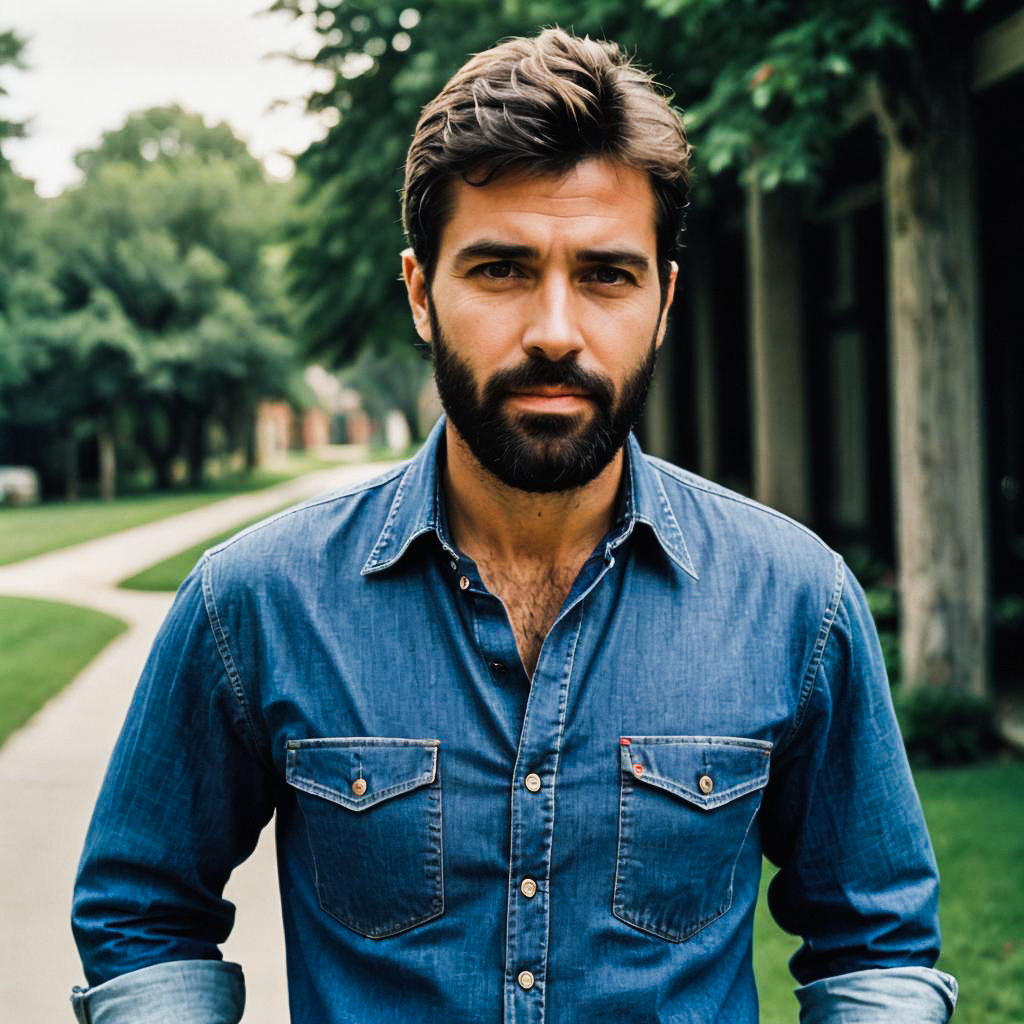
pixel 699 484
pixel 817 654
pixel 327 499
pixel 227 659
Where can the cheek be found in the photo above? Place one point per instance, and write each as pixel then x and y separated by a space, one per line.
pixel 480 332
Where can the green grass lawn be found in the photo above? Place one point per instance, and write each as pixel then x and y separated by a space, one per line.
pixel 25 532
pixel 168 574
pixel 976 818
pixel 43 646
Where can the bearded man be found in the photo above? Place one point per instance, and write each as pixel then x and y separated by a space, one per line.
pixel 530 709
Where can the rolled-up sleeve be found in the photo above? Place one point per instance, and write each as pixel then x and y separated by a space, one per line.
pixel 910 995
pixel 178 992
pixel 186 794
pixel 858 880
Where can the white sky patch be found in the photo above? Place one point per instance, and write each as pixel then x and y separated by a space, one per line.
pixel 92 62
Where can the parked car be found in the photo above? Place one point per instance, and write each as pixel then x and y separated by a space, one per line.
pixel 19 485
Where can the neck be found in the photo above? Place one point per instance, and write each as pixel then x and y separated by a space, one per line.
pixel 489 518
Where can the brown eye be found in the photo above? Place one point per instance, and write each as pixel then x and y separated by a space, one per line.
pixel 609 275
pixel 503 269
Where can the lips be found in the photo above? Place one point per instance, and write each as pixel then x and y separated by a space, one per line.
pixel 550 392
pixel 550 399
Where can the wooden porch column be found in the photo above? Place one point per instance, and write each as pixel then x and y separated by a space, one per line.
pixel 780 443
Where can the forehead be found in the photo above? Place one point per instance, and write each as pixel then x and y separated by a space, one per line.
pixel 598 203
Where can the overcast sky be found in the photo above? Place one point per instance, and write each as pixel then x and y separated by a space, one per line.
pixel 91 62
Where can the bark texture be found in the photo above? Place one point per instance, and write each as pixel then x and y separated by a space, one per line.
pixel 937 387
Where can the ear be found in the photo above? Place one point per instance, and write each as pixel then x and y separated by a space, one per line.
pixel 419 297
pixel 670 291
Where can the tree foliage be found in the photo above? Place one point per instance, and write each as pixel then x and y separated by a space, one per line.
pixel 151 312
pixel 766 83
pixel 171 136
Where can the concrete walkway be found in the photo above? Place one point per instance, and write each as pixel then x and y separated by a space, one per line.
pixel 50 770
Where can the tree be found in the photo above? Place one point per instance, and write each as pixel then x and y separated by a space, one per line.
pixel 171 136
pixel 76 369
pixel 166 312
pixel 16 194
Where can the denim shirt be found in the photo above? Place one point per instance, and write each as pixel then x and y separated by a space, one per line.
pixel 458 842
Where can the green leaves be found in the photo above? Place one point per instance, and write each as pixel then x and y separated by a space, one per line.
pixel 145 298
pixel 765 84
pixel 173 137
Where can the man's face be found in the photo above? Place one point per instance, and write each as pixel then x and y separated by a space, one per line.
pixel 545 314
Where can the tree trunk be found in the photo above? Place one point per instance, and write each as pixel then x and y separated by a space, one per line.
pixel 252 459
pixel 108 458
pixel 195 447
pixel 71 478
pixel 936 374
pixel 160 453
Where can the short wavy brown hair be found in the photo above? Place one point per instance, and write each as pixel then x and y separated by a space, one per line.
pixel 543 105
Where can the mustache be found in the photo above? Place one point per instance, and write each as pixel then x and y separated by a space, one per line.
pixel 545 373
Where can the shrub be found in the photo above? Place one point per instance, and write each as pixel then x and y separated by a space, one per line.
pixel 941 726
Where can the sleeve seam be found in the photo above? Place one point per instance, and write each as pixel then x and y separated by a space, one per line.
pixel 227 659
pixel 810 676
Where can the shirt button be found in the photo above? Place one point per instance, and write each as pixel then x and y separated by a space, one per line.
pixel 526 980
pixel 359 787
pixel 463 583
pixel 528 887
pixel 532 782
pixel 706 784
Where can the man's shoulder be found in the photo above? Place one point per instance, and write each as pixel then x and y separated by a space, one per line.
pixel 721 524
pixel 342 524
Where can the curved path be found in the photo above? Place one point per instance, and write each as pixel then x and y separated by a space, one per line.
pixel 51 769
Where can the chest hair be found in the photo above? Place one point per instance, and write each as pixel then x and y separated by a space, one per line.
pixel 533 595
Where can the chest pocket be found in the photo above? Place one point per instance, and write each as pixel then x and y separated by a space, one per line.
pixel 686 804
pixel 372 809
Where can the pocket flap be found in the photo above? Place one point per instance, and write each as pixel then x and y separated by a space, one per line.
pixel 705 770
pixel 362 771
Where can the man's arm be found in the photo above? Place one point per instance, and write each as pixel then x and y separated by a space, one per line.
pixel 183 802
pixel 857 880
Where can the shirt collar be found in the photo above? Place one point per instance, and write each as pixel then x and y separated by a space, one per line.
pixel 418 508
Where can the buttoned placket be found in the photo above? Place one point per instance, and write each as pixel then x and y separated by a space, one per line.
pixel 534 781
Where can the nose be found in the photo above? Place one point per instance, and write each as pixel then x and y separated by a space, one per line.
pixel 553 330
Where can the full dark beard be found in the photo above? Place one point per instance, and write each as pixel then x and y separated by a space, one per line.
pixel 539 452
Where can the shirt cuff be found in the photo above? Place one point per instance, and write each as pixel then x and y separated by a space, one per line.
pixel 176 992
pixel 911 995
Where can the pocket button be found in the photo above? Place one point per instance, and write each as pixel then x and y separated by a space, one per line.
pixel 359 787
pixel 706 784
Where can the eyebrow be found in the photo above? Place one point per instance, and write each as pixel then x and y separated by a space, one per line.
pixel 494 250
pixel 626 257
pixel 490 250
